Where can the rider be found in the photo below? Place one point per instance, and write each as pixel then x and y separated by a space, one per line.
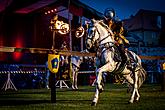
pixel 117 28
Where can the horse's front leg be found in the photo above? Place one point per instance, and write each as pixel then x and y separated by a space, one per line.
pixel 99 75
pixel 96 97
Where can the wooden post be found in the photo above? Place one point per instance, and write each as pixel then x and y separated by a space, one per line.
pixel 163 81
pixel 82 44
pixel 53 46
pixel 53 65
pixel 163 77
pixel 52 81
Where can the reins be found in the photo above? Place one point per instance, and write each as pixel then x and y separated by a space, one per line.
pixel 108 45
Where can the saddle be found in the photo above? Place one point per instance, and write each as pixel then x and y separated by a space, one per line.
pixel 125 58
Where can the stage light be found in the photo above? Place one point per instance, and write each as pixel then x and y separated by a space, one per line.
pixel 64 28
pixel 52 10
pixel 49 12
pixel 60 26
pixel 79 32
pixel 46 13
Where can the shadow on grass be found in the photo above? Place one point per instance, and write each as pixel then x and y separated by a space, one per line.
pixel 37 91
pixel 28 102
pixel 79 90
pixel 21 102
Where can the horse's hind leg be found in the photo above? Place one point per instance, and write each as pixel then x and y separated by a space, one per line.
pixel 135 89
pixel 75 84
pixel 137 96
pixel 73 78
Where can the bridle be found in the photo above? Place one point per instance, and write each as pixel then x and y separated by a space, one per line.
pixel 98 41
pixel 103 47
pixel 93 34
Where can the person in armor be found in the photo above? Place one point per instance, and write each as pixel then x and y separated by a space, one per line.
pixel 116 25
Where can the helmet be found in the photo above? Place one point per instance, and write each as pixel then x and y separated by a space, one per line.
pixel 109 13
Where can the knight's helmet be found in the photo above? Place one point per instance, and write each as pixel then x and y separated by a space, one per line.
pixel 109 13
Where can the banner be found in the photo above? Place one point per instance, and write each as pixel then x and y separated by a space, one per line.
pixel 163 66
pixel 53 62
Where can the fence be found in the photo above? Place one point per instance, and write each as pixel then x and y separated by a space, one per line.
pixel 154 70
pixel 22 76
pixel 26 76
pixel 35 76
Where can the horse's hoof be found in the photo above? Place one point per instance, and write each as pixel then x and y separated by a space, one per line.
pixel 73 87
pixel 136 101
pixel 93 104
pixel 76 88
pixel 130 102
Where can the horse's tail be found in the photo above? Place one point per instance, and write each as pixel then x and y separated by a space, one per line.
pixel 135 57
pixel 142 74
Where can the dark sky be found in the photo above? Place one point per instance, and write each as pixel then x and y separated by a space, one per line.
pixel 125 8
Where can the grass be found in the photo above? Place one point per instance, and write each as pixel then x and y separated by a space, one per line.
pixel 114 97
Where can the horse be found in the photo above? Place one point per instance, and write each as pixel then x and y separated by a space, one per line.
pixel 76 61
pixel 100 37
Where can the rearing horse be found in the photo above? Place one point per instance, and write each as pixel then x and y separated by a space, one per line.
pixel 101 38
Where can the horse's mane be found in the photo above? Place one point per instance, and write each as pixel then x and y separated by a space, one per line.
pixel 101 22
pixel 104 26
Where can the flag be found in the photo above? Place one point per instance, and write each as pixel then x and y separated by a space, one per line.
pixel 163 66
pixel 53 62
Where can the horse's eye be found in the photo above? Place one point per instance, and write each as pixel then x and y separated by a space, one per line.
pixel 91 32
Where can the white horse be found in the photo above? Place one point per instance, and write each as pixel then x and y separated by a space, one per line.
pixel 101 38
pixel 76 62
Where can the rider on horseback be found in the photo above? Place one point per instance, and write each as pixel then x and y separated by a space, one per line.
pixel 117 28
pixel 116 25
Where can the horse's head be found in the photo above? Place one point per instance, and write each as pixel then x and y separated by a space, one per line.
pixel 98 33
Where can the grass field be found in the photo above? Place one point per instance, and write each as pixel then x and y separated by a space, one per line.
pixel 114 97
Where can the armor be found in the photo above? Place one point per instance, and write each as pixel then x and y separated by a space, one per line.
pixel 116 25
pixel 109 13
pixel 119 33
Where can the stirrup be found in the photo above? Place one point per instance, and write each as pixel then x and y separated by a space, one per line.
pixel 129 66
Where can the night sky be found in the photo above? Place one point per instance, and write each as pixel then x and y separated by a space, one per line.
pixel 125 8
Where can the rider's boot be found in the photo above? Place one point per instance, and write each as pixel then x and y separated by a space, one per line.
pixel 129 63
